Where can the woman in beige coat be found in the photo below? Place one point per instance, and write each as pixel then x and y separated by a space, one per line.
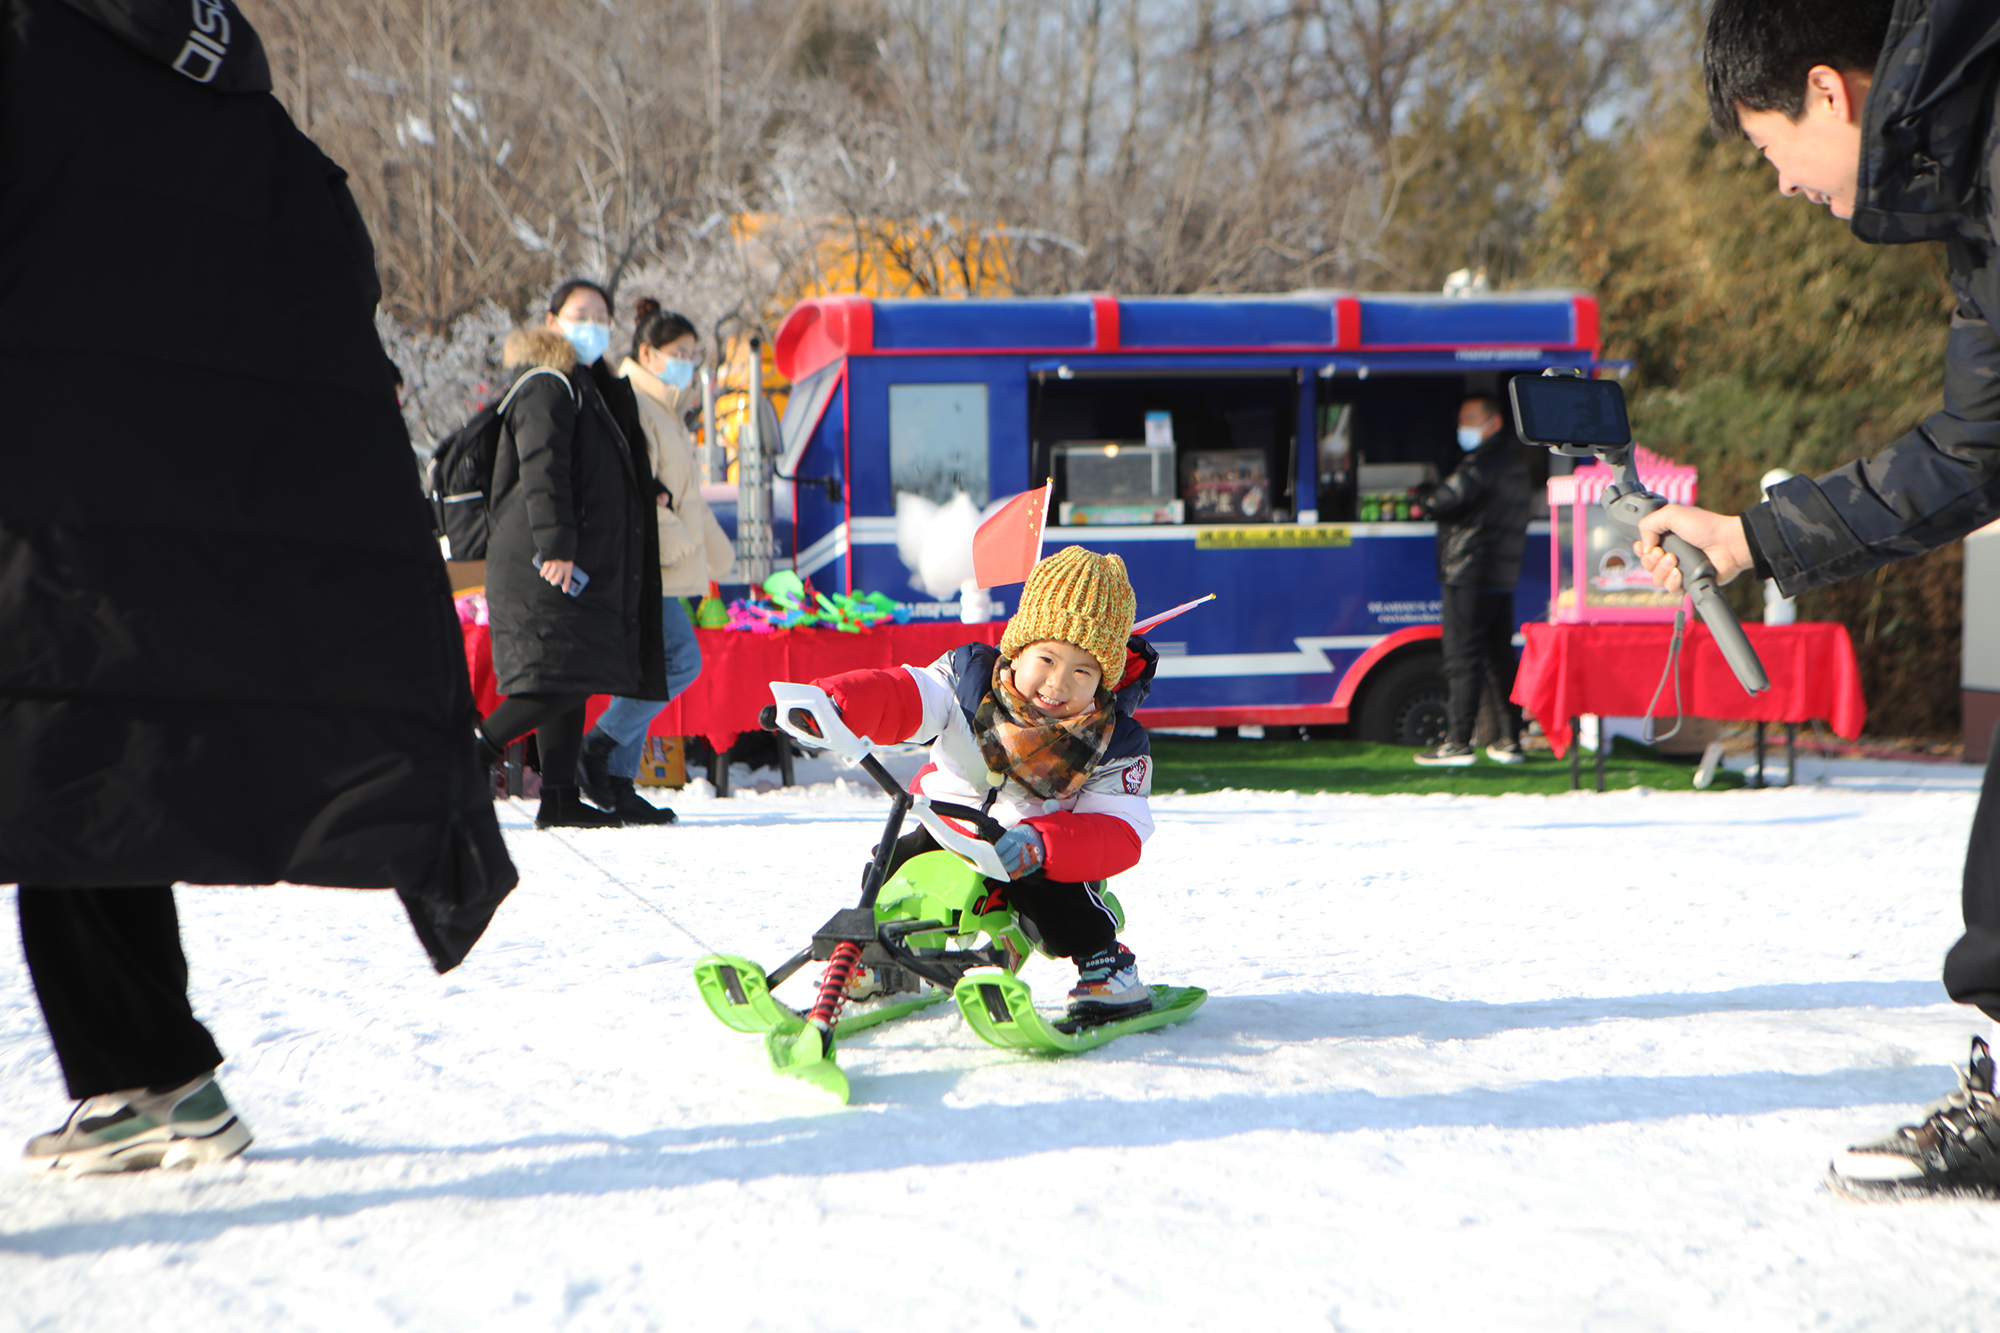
pixel 693 552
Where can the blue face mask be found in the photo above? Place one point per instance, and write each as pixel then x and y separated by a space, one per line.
pixel 1469 438
pixel 588 338
pixel 676 374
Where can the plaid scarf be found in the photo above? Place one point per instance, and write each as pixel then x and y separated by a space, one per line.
pixel 1051 757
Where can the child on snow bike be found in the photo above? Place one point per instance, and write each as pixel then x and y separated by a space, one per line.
pixel 1040 734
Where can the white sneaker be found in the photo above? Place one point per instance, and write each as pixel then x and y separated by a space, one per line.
pixel 1506 752
pixel 1447 754
pixel 137 1130
pixel 1108 985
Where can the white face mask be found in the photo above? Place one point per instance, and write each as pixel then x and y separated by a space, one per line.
pixel 1469 438
pixel 588 337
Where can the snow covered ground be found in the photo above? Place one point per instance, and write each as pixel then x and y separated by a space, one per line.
pixel 1516 1063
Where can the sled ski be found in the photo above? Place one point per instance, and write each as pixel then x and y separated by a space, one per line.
pixel 999 1007
pixel 738 993
pixel 933 931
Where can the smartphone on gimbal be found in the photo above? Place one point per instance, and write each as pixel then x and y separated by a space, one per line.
pixel 1568 413
pixel 1563 411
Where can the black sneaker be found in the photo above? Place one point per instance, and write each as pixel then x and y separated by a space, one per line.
pixel 1955 1151
pixel 1449 754
pixel 1506 752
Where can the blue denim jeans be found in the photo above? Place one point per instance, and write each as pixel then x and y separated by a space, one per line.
pixel 626 720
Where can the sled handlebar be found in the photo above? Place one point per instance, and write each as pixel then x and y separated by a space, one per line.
pixel 989 828
pixel 805 713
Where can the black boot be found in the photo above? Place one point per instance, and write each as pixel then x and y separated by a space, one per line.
pixel 563 807
pixel 633 808
pixel 491 758
pixel 489 753
pixel 593 770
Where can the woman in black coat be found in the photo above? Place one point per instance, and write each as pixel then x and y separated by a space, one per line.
pixel 567 558
pixel 227 647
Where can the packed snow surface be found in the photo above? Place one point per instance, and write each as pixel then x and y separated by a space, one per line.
pixel 1519 1063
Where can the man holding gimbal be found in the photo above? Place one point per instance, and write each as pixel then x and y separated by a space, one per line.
pixel 1882 110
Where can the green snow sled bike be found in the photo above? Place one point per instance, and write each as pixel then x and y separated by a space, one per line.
pixel 933 931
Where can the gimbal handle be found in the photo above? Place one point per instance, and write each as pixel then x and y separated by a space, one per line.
pixel 1626 501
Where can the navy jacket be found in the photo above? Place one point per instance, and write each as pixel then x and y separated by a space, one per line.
pixel 1927 174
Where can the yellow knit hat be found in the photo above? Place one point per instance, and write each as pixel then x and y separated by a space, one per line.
pixel 1079 597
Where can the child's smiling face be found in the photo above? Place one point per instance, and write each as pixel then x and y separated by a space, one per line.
pixel 1059 679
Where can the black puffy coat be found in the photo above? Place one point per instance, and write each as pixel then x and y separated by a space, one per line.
pixel 564 488
pixel 623 404
pixel 227 646
pixel 1482 517
pixel 1929 142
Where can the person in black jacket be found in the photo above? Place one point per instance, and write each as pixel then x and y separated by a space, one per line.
pixel 1883 111
pixel 227 647
pixel 1482 522
pixel 567 557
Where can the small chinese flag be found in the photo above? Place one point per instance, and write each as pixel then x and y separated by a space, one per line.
pixel 1007 545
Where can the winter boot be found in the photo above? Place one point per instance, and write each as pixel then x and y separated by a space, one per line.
pixel 563 807
pixel 593 771
pixel 142 1128
pixel 630 806
pixel 1955 1151
pixel 1108 986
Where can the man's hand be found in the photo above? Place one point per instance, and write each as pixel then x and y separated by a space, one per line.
pixel 1720 537
pixel 557 572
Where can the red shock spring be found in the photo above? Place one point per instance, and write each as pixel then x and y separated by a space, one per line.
pixel 833 985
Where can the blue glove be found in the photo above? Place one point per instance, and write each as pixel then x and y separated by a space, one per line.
pixel 1021 850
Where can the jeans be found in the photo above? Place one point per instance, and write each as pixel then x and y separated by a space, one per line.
pixel 626 720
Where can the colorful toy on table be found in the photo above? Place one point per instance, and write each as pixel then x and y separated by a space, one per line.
pixel 858 611
pixel 711 614
pixel 790 602
pixel 787 590
pixel 750 616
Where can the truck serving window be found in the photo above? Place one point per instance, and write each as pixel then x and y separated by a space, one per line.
pixel 938 441
pixel 1225 442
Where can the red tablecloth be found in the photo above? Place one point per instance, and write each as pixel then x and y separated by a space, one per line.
pixel 738 667
pixel 1612 671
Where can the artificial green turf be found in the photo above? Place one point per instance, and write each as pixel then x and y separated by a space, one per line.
pixel 1195 764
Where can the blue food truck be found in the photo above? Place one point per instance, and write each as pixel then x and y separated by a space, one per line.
pixel 1262 448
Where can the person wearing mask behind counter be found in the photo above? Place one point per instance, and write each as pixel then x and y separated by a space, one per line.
pixel 1482 523
pixel 693 552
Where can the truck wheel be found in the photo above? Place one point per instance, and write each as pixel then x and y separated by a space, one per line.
pixel 1406 704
